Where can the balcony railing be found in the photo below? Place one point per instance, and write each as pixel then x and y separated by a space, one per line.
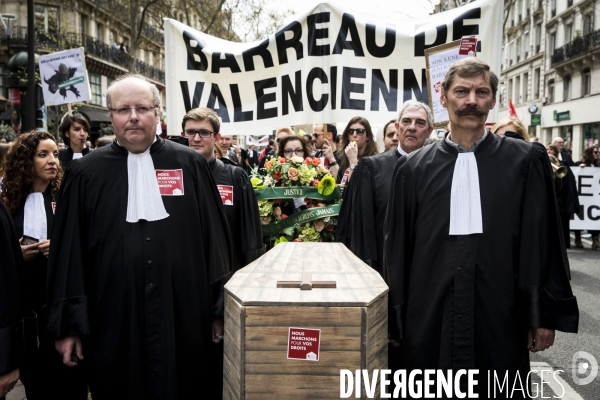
pixel 54 42
pixel 578 46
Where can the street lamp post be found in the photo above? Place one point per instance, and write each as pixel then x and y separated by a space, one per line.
pixel 31 104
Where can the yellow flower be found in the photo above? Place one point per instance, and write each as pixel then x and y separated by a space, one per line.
pixel 326 186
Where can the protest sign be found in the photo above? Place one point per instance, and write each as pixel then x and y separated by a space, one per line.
pixel 439 59
pixel 328 64
pixel 64 77
pixel 588 190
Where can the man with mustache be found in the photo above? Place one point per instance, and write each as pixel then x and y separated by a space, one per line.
pixel 473 253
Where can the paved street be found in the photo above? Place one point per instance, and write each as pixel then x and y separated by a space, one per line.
pixel 585 281
pixel 585 272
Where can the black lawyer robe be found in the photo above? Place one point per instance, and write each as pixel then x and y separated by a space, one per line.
pixel 142 296
pixel 242 216
pixel 11 297
pixel 467 302
pixel 360 223
pixel 66 155
pixel 42 369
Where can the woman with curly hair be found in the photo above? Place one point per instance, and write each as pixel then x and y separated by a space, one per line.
pixel 31 176
pixel 358 142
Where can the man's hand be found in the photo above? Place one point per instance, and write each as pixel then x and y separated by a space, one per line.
pixel 217 330
pixel 66 347
pixel 30 251
pixel 8 382
pixel 328 151
pixel 540 339
pixel 44 247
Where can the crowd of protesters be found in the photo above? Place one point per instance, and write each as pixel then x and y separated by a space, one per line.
pixel 120 279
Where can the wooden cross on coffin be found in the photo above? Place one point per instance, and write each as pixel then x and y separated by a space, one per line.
pixel 307 283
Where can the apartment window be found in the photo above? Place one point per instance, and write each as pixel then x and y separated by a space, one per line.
pixel 525 84
pixel 586 82
pixel 526 44
pixel 517 99
pixel 511 52
pixel 552 43
pixel 553 8
pixel 96 88
pixel 567 88
pixel 84 25
pixel 100 32
pixel 519 49
pixel 510 89
pixel 46 19
pixel 588 23
pixel 538 37
pixel 569 33
pixel 536 83
pixel 551 91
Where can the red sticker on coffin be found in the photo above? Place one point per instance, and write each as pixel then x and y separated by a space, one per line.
pixel 304 344
pixel 170 182
pixel 226 193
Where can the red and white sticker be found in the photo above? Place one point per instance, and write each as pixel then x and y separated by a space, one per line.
pixel 53 207
pixel 170 182
pixel 226 193
pixel 304 344
pixel 468 46
pixel 345 177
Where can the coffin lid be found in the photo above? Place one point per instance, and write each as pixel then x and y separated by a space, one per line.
pixel 358 285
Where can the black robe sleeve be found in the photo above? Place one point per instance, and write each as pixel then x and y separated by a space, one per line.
pixel 399 244
pixel 356 223
pixel 543 264
pixel 11 312
pixel 252 245
pixel 68 316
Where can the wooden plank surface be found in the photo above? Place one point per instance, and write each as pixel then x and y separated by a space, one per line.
pixel 303 317
pixel 357 283
pixel 233 349
pixel 263 387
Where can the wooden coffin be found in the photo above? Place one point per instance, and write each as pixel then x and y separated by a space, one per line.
pixel 351 319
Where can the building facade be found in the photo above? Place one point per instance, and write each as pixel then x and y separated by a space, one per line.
pixel 551 69
pixel 100 26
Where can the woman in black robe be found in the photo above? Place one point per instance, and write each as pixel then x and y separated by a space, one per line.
pixel 31 178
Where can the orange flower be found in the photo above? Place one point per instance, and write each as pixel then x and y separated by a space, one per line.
pixel 277 175
pixel 268 165
pixel 293 174
pixel 316 161
pixel 281 160
pixel 307 160
pixel 315 182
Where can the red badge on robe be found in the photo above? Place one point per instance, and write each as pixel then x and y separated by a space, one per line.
pixel 226 193
pixel 170 182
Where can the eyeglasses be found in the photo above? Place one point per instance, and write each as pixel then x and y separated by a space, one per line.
pixel 595 152
pixel 204 133
pixel 359 131
pixel 127 110
pixel 289 152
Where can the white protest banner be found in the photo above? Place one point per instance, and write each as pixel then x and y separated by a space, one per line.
pixel 588 189
pixel 64 77
pixel 262 141
pixel 328 64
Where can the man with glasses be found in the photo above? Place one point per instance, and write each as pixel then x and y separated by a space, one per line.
pixel 139 256
pixel 201 127
pixel 225 143
pixel 563 156
pixel 324 136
